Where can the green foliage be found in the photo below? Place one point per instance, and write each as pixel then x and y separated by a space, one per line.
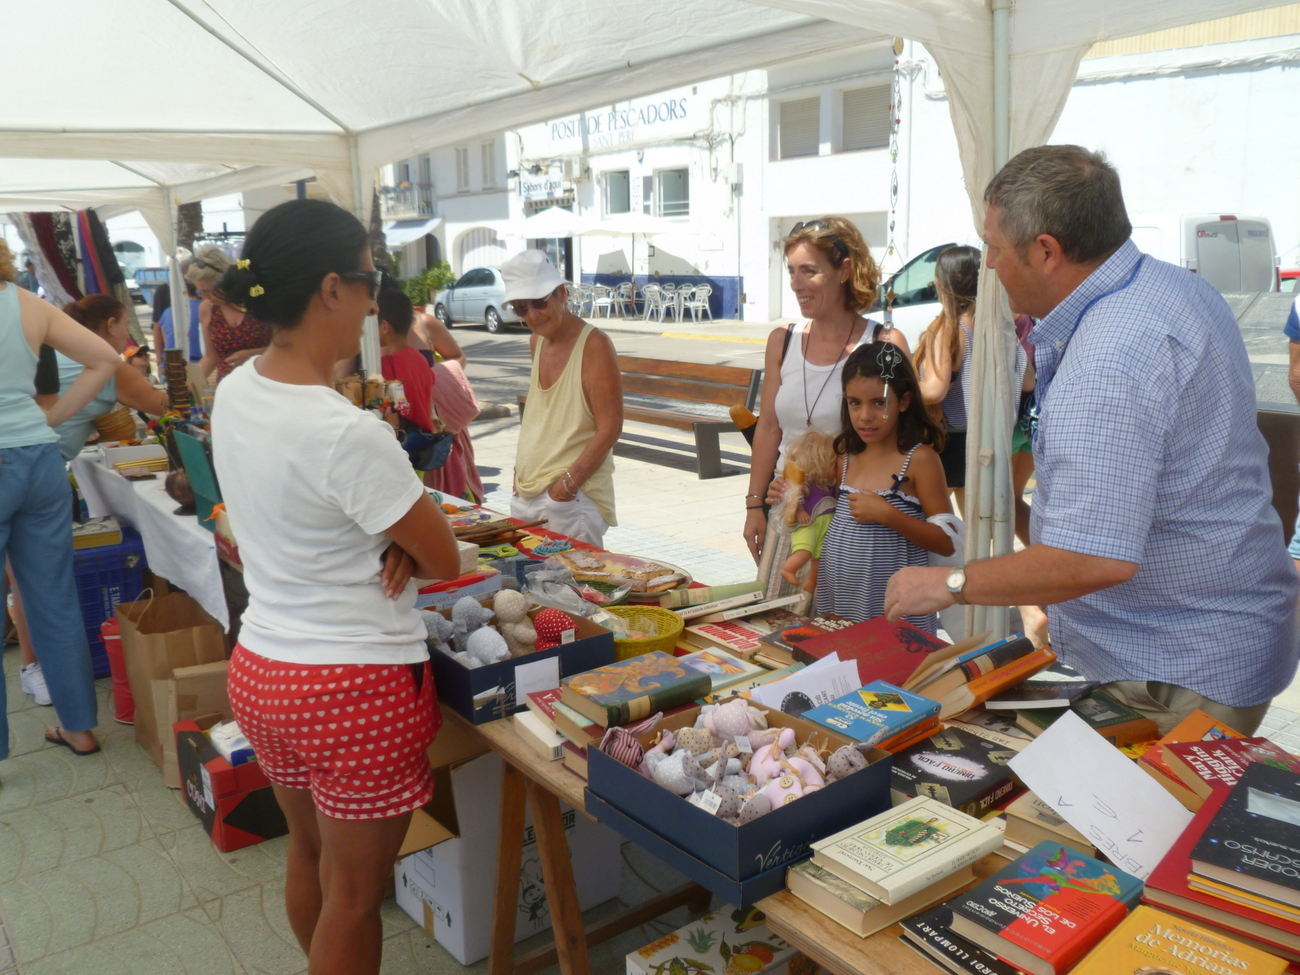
pixel 701 939
pixel 438 277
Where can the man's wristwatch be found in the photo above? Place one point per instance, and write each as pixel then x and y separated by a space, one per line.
pixel 956 582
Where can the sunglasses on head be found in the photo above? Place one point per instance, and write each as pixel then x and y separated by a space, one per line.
pixel 821 228
pixel 522 305
pixel 373 278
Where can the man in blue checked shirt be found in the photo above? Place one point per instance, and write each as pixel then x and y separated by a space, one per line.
pixel 1292 331
pixel 1155 547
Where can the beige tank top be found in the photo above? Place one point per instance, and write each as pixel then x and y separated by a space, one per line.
pixel 557 426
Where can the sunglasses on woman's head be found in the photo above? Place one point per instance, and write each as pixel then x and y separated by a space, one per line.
pixel 521 305
pixel 374 278
pixel 821 228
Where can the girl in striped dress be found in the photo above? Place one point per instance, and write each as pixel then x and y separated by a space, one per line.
pixel 891 481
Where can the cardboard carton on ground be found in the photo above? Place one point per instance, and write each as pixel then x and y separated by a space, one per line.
pixel 448 888
pixel 187 694
pixel 741 853
pixel 235 803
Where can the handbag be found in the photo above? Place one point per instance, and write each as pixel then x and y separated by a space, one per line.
pixel 427 451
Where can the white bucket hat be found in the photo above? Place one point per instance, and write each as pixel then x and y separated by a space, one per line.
pixel 530 275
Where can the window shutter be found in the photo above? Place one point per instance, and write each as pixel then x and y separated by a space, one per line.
pixel 800 128
pixel 866 118
pixel 647 194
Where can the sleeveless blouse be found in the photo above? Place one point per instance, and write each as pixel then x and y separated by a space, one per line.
pixel 858 558
pixel 228 339
pixel 956 405
pixel 806 388
pixel 22 422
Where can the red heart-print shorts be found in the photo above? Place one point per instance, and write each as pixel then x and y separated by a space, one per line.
pixel 354 734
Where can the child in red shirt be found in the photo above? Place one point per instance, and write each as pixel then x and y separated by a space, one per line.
pixel 401 361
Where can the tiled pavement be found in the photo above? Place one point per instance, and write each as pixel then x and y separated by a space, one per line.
pixel 103 870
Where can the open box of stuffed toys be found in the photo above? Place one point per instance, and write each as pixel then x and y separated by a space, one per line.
pixel 480 647
pixel 742 812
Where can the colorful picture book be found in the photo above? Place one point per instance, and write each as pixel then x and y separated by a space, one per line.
pixel 1253 842
pixel 632 689
pixel 857 910
pixel 874 713
pixel 1149 941
pixel 724 670
pixel 903 850
pixel 1202 766
pixel 958 769
pixel 1047 909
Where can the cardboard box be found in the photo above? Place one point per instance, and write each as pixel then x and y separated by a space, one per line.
pixel 235 803
pixel 744 852
pixel 108 456
pixel 158 636
pixel 487 693
pixel 443 595
pixel 449 888
pixel 189 693
pixel 454 743
pixel 710 944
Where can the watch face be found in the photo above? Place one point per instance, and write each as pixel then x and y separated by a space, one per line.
pixel 956 579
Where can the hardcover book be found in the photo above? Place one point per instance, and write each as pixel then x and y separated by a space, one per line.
pixel 958 769
pixel 1197 726
pixel 787 638
pixel 1253 842
pixel 1168 887
pixel 542 704
pixel 1206 765
pixel 96 532
pixel 575 726
pixel 1047 909
pixel 980 689
pixel 1031 821
pixel 743 688
pixel 874 713
pixel 1118 724
pixel 723 669
pixel 740 636
pixel 857 910
pixel 1149 941
pixel 632 689
pixel 883 650
pixel 955 671
pixel 575 760
pixel 541 737
pixel 930 934
pixel 1056 686
pixel 905 849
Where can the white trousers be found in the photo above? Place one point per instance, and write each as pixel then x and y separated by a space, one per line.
pixel 579 518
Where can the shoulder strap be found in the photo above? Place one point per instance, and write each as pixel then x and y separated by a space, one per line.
pixel 785 346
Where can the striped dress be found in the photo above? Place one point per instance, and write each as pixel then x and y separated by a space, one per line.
pixel 858 558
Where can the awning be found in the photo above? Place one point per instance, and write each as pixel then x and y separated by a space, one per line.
pixel 404 231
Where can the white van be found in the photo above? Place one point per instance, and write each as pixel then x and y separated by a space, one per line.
pixel 1234 253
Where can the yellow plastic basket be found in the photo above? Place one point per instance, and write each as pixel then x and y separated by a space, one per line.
pixel 668 624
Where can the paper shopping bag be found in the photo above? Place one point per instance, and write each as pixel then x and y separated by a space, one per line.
pixel 159 635
pixel 188 694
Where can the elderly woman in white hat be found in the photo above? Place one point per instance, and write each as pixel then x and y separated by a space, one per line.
pixel 564 471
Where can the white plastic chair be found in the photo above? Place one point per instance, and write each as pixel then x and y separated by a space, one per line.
pixel 699 302
pixel 601 297
pixel 623 299
pixel 654 301
pixel 669 301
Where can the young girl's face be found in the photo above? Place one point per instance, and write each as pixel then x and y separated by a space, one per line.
pixel 872 412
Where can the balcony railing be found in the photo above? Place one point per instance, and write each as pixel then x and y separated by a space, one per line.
pixel 406 202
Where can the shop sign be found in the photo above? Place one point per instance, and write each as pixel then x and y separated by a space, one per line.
pixel 666 116
pixel 543 187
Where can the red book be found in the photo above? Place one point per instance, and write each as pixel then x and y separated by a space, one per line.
pixel 1167 887
pixel 1203 766
pixel 542 704
pixel 883 650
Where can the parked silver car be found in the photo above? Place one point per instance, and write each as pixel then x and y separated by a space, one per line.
pixel 479 296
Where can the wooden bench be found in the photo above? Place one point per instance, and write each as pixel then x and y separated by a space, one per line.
pixel 695 383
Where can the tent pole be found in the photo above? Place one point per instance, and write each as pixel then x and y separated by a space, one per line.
pixel 180 302
pixel 1001 83
pixel 370 353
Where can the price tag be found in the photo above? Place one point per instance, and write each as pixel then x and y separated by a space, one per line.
pixel 742 742
pixel 568 636
pixel 710 802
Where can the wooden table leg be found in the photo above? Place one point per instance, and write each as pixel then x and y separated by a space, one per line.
pixel 557 871
pixel 510 860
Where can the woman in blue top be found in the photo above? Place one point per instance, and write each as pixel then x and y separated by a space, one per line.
pixel 36 501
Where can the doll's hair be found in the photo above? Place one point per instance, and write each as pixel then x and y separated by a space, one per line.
pixel 915 425
pixel 814 453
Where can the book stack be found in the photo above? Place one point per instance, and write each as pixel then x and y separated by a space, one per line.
pixel 892 865
pixel 1118 724
pixel 96 532
pixel 959 769
pixel 778 648
pixel 1041 913
pixel 575 729
pixel 961 681
pixel 1233 869
pixel 882 650
pixel 879 715
pixel 725 670
pixel 1031 821
pixel 741 636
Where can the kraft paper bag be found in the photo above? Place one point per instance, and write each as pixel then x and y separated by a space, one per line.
pixel 158 636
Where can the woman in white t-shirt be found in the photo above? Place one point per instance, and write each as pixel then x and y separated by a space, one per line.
pixel 330 679
pixel 835 279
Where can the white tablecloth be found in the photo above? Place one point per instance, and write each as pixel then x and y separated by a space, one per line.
pixel 176 546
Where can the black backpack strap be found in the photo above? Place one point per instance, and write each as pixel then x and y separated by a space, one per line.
pixel 785 346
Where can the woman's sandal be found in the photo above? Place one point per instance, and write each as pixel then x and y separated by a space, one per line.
pixel 56 738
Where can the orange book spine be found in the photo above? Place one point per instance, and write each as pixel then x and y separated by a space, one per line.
pixel 984 687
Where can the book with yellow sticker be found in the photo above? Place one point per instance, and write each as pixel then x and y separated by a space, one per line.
pixel 874 713
pixel 1149 941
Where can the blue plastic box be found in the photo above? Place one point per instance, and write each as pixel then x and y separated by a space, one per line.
pixel 105 576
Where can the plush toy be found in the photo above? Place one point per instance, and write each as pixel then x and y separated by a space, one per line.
pixel 512 618
pixel 845 761
pixel 753 807
pixel 658 751
pixel 783 789
pixel 487 646
pixel 440 630
pixel 679 772
pixel 697 741
pixel 767 761
pixel 730 801
pixel 622 746
pixel 467 615
pixel 550 624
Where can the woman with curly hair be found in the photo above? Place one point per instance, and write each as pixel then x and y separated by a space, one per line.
pixel 835 279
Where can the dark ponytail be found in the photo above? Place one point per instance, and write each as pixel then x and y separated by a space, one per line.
pixel 288 251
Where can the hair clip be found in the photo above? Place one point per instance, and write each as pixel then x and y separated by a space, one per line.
pixel 256 291
pixel 888 358
pixel 243 264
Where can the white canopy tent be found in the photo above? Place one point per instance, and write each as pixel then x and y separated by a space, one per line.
pixel 234 94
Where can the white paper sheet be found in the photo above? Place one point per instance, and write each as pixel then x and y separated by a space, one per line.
pixel 540 675
pixel 1102 794
pixel 818 684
